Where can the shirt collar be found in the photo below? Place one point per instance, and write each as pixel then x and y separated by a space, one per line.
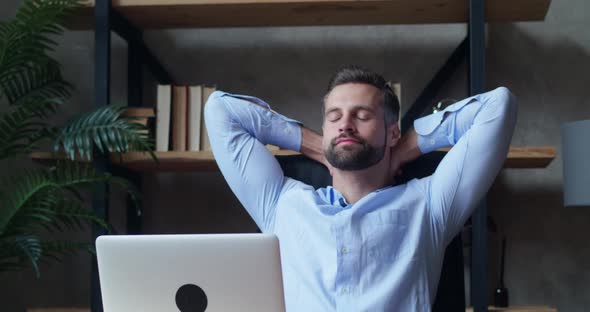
pixel 335 198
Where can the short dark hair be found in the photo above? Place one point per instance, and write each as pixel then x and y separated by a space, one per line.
pixel 356 74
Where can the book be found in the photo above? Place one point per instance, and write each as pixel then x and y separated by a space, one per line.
pixel 205 145
pixel 195 106
pixel 179 118
pixel 163 117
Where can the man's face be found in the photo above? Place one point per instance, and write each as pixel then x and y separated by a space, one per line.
pixel 354 132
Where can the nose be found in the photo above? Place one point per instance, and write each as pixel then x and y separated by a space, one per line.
pixel 346 124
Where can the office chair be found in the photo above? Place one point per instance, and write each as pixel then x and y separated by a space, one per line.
pixel 450 295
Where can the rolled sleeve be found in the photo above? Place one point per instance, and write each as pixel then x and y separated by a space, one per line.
pixel 289 137
pixel 437 130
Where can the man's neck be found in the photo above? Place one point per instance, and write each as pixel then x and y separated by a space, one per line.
pixel 355 185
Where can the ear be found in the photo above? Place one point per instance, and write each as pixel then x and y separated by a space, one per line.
pixel 393 134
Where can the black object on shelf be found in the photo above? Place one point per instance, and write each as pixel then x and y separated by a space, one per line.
pixel 501 293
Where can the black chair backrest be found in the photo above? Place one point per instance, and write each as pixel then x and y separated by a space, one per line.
pixel 450 295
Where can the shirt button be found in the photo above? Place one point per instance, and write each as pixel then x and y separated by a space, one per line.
pixel 344 250
pixel 431 141
pixel 287 131
pixel 344 291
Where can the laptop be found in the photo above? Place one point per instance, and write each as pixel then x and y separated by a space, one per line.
pixel 190 273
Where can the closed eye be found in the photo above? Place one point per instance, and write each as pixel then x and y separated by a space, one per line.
pixel 363 115
pixel 333 116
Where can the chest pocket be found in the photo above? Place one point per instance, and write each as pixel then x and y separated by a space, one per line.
pixel 384 234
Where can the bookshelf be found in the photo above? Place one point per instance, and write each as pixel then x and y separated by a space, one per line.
pixel 157 14
pixel 129 18
pixel 518 158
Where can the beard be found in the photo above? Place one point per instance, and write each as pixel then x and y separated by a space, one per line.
pixel 356 157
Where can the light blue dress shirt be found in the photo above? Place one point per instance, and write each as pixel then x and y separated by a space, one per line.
pixel 384 252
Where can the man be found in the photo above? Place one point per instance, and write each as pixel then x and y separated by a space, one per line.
pixel 364 244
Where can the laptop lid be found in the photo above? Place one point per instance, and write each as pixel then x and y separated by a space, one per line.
pixel 190 273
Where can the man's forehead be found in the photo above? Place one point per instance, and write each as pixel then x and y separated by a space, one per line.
pixel 354 94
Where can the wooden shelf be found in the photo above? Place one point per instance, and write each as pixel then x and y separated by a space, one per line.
pixel 530 157
pixel 527 157
pixel 174 161
pixel 168 161
pixel 158 14
pixel 518 157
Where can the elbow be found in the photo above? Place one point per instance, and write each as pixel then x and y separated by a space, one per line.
pixel 214 109
pixel 507 105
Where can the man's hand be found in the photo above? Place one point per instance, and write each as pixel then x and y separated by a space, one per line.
pixel 311 146
pixel 405 151
pixel 395 164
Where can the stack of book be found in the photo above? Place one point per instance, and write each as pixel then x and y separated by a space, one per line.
pixel 180 125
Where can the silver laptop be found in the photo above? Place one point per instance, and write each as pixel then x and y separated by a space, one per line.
pixel 190 273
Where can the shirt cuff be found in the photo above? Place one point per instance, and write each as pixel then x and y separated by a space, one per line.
pixel 289 137
pixel 435 131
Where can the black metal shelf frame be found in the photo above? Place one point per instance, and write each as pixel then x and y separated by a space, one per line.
pixel 107 19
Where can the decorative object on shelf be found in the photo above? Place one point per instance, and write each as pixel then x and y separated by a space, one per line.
pixel 442 104
pixel 37 203
pixel 576 164
pixel 501 292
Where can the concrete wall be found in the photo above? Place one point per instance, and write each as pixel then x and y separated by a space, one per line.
pixel 544 63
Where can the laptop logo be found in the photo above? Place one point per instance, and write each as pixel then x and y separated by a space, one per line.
pixel 191 298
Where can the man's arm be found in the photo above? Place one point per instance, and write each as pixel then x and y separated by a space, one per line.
pixel 480 129
pixel 239 127
pixel 311 146
pixel 405 151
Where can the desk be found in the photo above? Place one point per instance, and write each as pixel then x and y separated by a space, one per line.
pixel 58 310
pixel 518 309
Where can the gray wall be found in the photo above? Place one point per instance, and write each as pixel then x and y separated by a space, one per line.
pixel 544 63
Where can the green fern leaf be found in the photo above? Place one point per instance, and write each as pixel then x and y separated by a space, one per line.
pixel 31 250
pixel 105 129
pixel 19 132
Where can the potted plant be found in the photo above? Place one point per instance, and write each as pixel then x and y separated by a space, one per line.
pixel 36 203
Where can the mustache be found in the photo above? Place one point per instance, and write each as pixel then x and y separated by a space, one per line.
pixel 347 136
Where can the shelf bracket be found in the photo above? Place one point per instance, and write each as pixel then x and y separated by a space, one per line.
pixel 134 37
pixel 102 81
pixel 479 250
